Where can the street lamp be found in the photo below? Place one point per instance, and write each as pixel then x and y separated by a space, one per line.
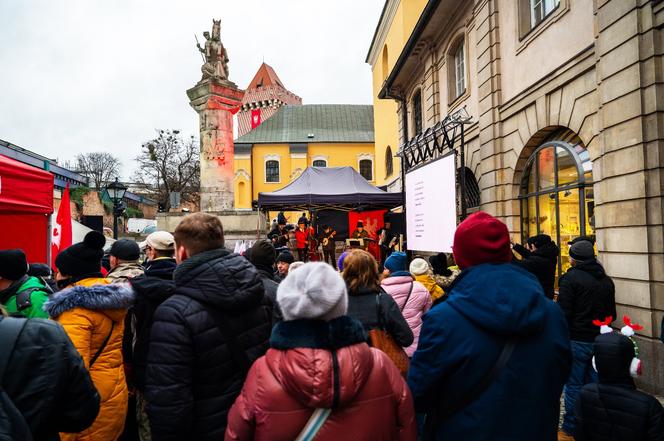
pixel 116 192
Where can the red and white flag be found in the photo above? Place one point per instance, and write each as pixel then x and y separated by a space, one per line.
pixel 255 118
pixel 61 233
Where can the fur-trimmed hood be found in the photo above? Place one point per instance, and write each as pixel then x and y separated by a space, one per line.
pixel 95 297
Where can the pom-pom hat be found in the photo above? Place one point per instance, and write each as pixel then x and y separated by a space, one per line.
pixel 83 258
pixel 419 266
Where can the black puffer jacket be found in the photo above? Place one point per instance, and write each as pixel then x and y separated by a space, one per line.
pixel 613 409
pixel 162 268
pixel 270 286
pixel 150 293
pixel 586 293
pixel 48 382
pixel 362 307
pixel 542 264
pixel 191 378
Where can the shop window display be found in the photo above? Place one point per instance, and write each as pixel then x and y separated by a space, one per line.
pixel 557 195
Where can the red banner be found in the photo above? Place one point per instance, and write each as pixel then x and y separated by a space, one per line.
pixel 61 235
pixel 373 222
pixel 255 118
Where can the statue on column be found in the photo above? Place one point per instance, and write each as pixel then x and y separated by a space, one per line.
pixel 214 53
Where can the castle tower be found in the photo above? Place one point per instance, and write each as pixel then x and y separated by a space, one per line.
pixel 264 96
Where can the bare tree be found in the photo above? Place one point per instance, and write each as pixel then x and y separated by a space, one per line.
pixel 171 164
pixel 99 167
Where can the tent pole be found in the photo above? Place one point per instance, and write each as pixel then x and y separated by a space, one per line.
pixel 49 229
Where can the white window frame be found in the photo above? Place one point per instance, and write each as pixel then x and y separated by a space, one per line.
pixel 543 8
pixel 320 158
pixel 460 69
pixel 267 158
pixel 366 157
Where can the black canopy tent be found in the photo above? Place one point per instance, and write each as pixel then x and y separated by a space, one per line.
pixel 329 188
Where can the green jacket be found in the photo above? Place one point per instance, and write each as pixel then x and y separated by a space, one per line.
pixel 37 298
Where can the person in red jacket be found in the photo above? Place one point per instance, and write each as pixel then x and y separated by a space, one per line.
pixel 302 240
pixel 319 359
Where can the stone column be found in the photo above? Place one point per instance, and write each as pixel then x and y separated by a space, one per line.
pixel 216 102
pixel 629 193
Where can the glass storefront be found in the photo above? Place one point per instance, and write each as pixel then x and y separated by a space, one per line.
pixel 557 195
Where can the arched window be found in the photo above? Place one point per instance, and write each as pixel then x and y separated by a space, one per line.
pixel 457 70
pixel 417 113
pixel 384 64
pixel 389 165
pixel 557 194
pixel 366 169
pixel 319 163
pixel 241 196
pixel 271 171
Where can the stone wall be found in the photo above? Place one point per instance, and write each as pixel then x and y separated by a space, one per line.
pixel 608 92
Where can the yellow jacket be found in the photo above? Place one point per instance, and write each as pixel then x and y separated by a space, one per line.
pixel 431 286
pixel 90 311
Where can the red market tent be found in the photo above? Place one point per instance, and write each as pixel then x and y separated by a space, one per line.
pixel 26 203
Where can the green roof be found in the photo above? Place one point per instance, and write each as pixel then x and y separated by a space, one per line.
pixel 326 122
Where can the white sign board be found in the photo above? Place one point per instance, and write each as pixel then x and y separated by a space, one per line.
pixel 431 206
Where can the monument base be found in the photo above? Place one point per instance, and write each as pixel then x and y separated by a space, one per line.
pixel 238 224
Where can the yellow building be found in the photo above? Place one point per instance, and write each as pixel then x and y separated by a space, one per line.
pixel 275 153
pixel 396 23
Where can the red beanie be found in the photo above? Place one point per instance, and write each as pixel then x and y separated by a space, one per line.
pixel 481 238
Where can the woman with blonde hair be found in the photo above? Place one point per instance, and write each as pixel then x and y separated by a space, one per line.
pixel 363 282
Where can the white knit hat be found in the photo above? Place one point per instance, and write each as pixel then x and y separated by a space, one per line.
pixel 314 291
pixel 418 266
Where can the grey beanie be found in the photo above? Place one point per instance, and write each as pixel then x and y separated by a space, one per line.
pixel 582 250
pixel 314 291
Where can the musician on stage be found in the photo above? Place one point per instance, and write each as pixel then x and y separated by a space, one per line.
pixel 361 233
pixel 388 240
pixel 302 240
pixel 327 241
pixel 279 234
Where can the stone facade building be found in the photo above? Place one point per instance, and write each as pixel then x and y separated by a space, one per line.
pixel 567 125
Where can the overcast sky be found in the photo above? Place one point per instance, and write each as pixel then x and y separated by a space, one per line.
pixel 82 76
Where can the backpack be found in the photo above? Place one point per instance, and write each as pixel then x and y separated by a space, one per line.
pixel 13 426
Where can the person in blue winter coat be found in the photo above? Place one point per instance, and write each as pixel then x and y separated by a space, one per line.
pixel 492 360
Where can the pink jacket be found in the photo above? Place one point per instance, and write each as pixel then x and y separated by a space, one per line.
pixel 418 303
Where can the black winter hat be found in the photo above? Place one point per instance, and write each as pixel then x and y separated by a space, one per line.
pixel 83 258
pixel 539 240
pixel 582 250
pixel 281 219
pixel 13 264
pixel 125 249
pixel 285 256
pixel 39 270
pixel 439 265
pixel 590 239
pixel 262 253
pixel 613 356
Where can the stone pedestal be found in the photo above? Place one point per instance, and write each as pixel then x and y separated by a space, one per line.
pixel 216 101
pixel 238 224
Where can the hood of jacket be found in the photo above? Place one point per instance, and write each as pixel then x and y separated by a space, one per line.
pixel 162 267
pixel 320 364
pixel 548 251
pixel 127 270
pixel 398 283
pixel 503 299
pixel 592 267
pixel 112 299
pixel 153 288
pixel 219 278
pixel 20 285
pixel 613 356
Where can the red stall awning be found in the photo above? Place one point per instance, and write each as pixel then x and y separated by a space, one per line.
pixel 26 201
pixel 24 188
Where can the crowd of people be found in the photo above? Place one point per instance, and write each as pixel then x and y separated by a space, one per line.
pixel 199 343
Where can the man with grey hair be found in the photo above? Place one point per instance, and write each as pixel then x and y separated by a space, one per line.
pixel 585 293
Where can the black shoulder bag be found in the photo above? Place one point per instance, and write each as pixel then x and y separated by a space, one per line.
pixel 102 347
